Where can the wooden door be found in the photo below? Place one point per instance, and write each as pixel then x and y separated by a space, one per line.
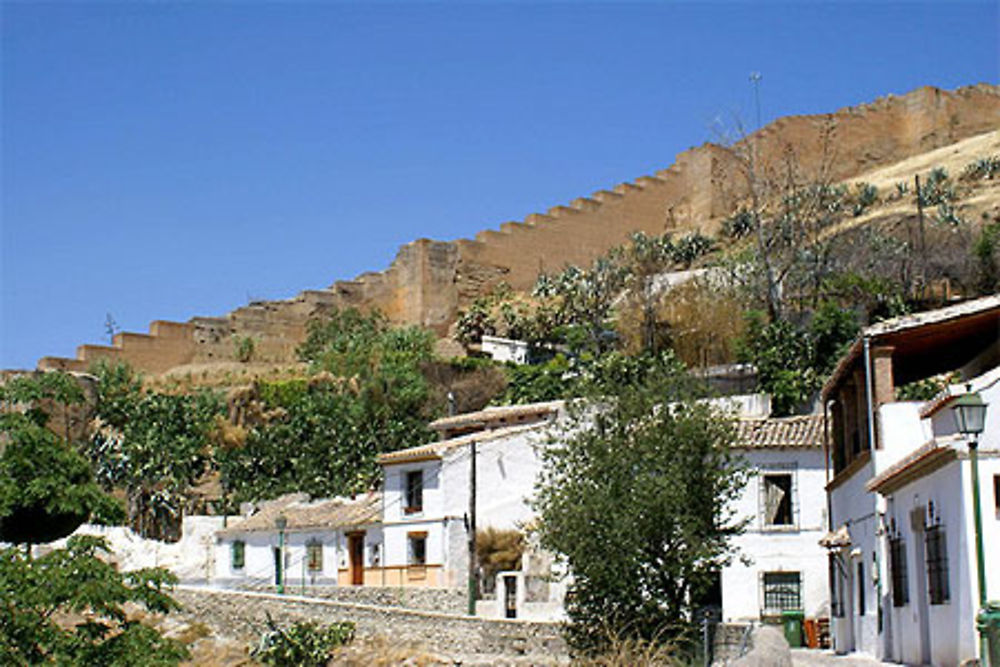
pixel 356 549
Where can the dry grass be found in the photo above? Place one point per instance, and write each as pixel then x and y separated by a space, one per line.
pixel 380 652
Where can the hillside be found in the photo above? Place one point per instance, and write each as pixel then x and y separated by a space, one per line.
pixel 883 142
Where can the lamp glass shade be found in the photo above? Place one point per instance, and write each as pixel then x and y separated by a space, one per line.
pixel 970 413
pixel 280 522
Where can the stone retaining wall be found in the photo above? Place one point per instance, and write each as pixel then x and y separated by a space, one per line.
pixel 447 600
pixel 243 614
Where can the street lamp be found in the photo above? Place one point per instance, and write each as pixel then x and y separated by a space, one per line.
pixel 970 414
pixel 281 523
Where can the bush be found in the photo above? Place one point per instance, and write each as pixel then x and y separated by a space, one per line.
pixel 243 348
pixel 866 194
pixel 936 189
pixel 739 225
pixel 983 168
pixel 303 644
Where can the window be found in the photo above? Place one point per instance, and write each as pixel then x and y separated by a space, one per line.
pixel 861 587
pixel 937 564
pixel 414 491
pixel 782 590
pixel 418 548
pixel 996 494
pixel 836 587
pixel 314 556
pixel 897 571
pixel 777 498
pixel 237 554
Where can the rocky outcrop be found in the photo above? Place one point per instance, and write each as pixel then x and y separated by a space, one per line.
pixel 430 281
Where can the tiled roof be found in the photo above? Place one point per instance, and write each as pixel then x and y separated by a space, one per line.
pixel 301 514
pixel 921 461
pixel 903 323
pixel 497 414
pixel 805 431
pixel 436 450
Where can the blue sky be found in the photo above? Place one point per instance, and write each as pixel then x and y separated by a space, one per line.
pixel 165 160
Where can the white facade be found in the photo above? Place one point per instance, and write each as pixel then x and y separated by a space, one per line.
pixel 917 484
pixel 508 462
pixel 260 549
pixel 506 349
pixel 766 547
pixel 930 493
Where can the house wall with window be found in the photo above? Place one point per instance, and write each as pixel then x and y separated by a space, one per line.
pixel 507 464
pixel 256 568
pixel 781 539
pixel 929 510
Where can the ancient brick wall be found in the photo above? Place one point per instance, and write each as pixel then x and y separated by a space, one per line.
pixel 430 281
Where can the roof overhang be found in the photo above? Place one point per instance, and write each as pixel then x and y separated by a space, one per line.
pixel 927 344
pixel 924 460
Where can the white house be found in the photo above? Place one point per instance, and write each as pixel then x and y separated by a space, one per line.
pixel 428 494
pixel 902 553
pixel 781 565
pixel 300 544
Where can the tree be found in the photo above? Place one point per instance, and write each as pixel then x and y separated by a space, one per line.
pixel 635 497
pixel 67 608
pixel 154 446
pixel 367 394
pixel 46 487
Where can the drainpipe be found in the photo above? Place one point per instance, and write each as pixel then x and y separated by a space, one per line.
pixel 868 398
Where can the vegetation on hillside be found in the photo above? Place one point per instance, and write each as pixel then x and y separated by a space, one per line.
pixel 67 606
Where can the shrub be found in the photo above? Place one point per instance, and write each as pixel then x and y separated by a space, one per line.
pixel 243 348
pixel 936 189
pixel 739 225
pixel 983 168
pixel 866 194
pixel 303 644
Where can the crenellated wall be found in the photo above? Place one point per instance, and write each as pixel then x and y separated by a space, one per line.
pixel 429 281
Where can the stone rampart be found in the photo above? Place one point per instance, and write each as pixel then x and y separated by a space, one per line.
pixel 243 615
pixel 430 281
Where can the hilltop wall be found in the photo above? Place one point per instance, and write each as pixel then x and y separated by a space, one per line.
pixel 429 281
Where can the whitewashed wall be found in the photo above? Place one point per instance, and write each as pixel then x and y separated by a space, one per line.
pixel 779 549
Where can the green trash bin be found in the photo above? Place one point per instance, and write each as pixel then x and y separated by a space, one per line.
pixel 792 622
pixel 988 624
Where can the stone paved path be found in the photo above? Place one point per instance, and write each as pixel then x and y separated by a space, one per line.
pixel 811 658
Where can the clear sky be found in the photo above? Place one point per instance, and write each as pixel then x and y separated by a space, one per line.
pixel 163 160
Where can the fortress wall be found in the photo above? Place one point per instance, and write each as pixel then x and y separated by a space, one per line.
pixel 430 281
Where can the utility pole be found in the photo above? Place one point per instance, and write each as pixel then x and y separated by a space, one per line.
pixel 472 531
pixel 923 241
pixel 755 78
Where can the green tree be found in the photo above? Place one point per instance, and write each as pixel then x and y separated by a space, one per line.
pixel 368 394
pixel 154 446
pixel 635 497
pixel 46 487
pixel 68 608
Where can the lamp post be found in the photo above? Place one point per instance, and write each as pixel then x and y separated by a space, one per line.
pixel 970 414
pixel 280 523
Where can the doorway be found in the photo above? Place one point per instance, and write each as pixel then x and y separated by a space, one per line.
pixel 510 596
pixel 919 563
pixel 278 566
pixel 356 551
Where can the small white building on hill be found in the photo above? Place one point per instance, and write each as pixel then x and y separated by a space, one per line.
pixel 298 543
pixel 780 565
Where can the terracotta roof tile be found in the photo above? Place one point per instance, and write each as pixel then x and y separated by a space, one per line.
pixel 302 514
pixel 496 414
pixel 805 431
pixel 435 450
